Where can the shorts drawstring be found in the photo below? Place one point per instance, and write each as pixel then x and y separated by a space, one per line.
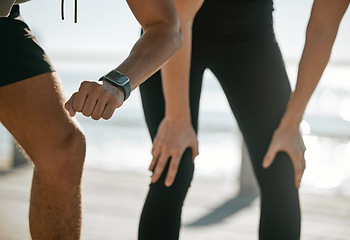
pixel 75 10
pixel 62 9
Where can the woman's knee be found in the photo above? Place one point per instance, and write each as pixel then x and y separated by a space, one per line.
pixel 277 183
pixel 177 191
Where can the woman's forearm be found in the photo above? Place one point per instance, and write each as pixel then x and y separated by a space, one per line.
pixel 321 33
pixel 312 64
pixel 175 73
pixel 175 80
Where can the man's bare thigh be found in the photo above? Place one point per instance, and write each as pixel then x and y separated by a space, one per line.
pixel 33 111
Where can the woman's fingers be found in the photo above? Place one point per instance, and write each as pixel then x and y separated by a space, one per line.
pixel 173 168
pixel 172 139
pixel 195 151
pixel 160 159
pixel 159 168
pixel 292 143
pixel 155 155
pixel 270 155
pixel 298 161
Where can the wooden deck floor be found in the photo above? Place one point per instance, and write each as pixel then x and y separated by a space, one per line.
pixel 112 203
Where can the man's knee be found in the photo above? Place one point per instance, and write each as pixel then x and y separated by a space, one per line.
pixel 63 155
pixel 73 146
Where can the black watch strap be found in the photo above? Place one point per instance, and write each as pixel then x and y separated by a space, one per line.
pixel 119 80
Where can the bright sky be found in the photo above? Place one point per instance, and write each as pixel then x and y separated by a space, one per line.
pixel 107 24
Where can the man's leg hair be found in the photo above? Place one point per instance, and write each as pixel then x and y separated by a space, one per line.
pixel 32 110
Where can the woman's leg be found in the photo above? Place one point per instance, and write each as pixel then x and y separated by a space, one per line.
pixel 257 87
pixel 161 214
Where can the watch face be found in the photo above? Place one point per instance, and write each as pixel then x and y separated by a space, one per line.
pixel 117 78
pixel 123 80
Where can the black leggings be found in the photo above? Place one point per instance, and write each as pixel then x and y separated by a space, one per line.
pixel 253 77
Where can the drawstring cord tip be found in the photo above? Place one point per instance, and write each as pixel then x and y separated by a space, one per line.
pixel 75 10
pixel 62 9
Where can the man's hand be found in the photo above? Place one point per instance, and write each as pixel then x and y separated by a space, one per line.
pixel 289 140
pixel 96 100
pixel 171 141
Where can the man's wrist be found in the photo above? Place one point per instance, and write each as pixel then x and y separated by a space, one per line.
pixel 118 80
pixel 119 89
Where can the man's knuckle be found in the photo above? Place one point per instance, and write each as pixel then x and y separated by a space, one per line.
pixel 76 107
pixel 86 114
pixel 95 117
pixel 113 101
pixel 85 85
pixel 106 117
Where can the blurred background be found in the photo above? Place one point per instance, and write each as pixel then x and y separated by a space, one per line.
pixel 103 37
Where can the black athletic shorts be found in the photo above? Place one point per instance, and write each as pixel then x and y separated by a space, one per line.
pixel 21 56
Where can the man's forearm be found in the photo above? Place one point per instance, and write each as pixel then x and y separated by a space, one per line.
pixel 161 39
pixel 152 50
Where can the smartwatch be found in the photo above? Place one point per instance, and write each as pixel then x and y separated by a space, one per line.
pixel 118 79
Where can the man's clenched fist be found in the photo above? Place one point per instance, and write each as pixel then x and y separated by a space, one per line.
pixel 95 99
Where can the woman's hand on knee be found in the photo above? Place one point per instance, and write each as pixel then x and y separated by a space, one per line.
pixel 289 140
pixel 96 100
pixel 172 139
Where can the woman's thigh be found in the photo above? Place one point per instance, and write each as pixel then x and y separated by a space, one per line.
pixel 257 88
